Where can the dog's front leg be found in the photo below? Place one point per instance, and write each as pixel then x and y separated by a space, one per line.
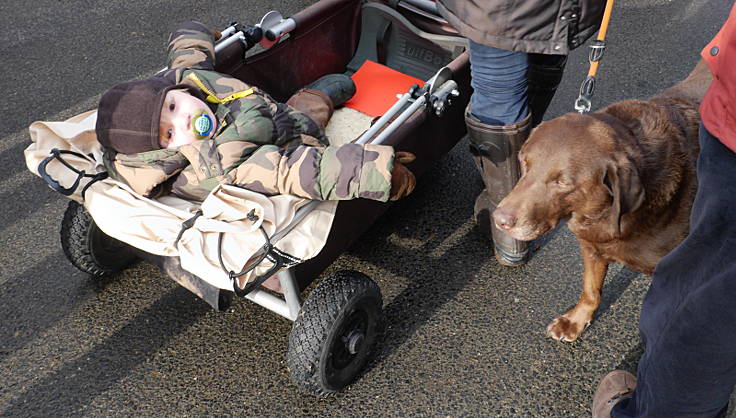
pixel 569 326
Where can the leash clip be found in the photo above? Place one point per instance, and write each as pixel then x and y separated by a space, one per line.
pixel 583 103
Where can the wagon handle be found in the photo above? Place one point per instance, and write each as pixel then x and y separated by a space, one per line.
pixel 249 36
pixel 274 27
pixel 266 33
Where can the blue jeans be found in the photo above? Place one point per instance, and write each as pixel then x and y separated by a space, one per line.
pixel 688 317
pixel 499 81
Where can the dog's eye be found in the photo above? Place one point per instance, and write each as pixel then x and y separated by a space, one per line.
pixel 560 182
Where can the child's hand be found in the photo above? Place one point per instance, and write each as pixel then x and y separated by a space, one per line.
pixel 402 179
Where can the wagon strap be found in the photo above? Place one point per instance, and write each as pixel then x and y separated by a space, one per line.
pixel 583 102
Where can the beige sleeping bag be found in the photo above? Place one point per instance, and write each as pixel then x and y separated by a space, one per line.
pixel 152 225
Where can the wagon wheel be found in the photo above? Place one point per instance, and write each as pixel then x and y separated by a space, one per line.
pixel 335 333
pixel 88 248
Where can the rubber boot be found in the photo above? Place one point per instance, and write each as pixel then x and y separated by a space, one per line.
pixel 319 99
pixel 495 150
pixel 338 87
pixel 313 103
pixel 543 78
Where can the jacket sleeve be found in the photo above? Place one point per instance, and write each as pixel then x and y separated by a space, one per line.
pixel 343 172
pixel 145 172
pixel 191 45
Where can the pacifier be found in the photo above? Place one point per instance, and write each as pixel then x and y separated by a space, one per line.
pixel 202 125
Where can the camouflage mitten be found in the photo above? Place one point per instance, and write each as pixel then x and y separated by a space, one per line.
pixel 402 179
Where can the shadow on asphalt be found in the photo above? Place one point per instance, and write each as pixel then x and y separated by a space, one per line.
pixel 614 287
pixel 78 382
pixel 36 299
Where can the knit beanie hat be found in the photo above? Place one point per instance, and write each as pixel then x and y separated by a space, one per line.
pixel 128 115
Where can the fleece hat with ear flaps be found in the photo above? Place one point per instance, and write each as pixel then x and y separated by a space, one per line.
pixel 128 115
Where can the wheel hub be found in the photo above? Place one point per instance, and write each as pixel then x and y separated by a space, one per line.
pixel 354 341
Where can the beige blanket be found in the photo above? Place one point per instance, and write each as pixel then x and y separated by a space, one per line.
pixel 153 225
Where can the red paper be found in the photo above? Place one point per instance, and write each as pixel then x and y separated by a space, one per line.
pixel 377 87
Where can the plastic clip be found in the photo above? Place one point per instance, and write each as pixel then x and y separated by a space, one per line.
pixel 186 225
pixel 66 191
pixel 597 48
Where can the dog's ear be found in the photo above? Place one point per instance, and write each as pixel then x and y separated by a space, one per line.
pixel 623 183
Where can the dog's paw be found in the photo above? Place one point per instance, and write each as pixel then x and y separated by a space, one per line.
pixel 563 329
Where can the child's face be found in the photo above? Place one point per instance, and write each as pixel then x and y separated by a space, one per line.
pixel 184 119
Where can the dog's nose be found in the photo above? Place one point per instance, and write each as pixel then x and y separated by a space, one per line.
pixel 504 219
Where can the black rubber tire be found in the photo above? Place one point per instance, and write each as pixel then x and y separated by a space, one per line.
pixel 345 311
pixel 88 248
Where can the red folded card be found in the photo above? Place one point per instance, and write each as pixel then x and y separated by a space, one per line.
pixel 377 87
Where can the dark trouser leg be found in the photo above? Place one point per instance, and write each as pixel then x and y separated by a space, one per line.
pixel 545 74
pixel 688 318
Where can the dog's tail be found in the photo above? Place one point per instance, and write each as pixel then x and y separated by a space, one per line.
pixel 694 86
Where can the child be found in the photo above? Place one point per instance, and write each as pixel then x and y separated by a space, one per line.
pixel 189 128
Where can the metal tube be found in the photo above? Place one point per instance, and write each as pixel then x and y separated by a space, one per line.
pixel 235 38
pixel 384 118
pixel 279 29
pixel 419 102
pixel 445 88
pixel 291 292
pixel 300 214
pixel 227 32
pixel 270 302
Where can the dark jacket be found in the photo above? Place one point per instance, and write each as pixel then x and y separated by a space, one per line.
pixel 534 26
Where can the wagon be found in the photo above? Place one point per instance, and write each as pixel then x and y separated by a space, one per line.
pixel 336 326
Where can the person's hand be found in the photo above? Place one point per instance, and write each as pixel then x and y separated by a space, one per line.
pixel 216 33
pixel 402 179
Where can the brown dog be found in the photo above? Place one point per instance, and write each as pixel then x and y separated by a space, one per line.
pixel 625 179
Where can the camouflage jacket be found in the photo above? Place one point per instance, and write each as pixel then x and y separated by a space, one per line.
pixel 260 144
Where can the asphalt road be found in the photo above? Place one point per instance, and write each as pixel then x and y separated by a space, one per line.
pixel 465 335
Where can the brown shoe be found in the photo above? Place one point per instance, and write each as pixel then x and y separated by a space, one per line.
pixel 614 387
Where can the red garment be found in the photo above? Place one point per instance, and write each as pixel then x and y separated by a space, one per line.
pixel 718 109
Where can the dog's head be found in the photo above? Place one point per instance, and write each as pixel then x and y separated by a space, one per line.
pixel 574 165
